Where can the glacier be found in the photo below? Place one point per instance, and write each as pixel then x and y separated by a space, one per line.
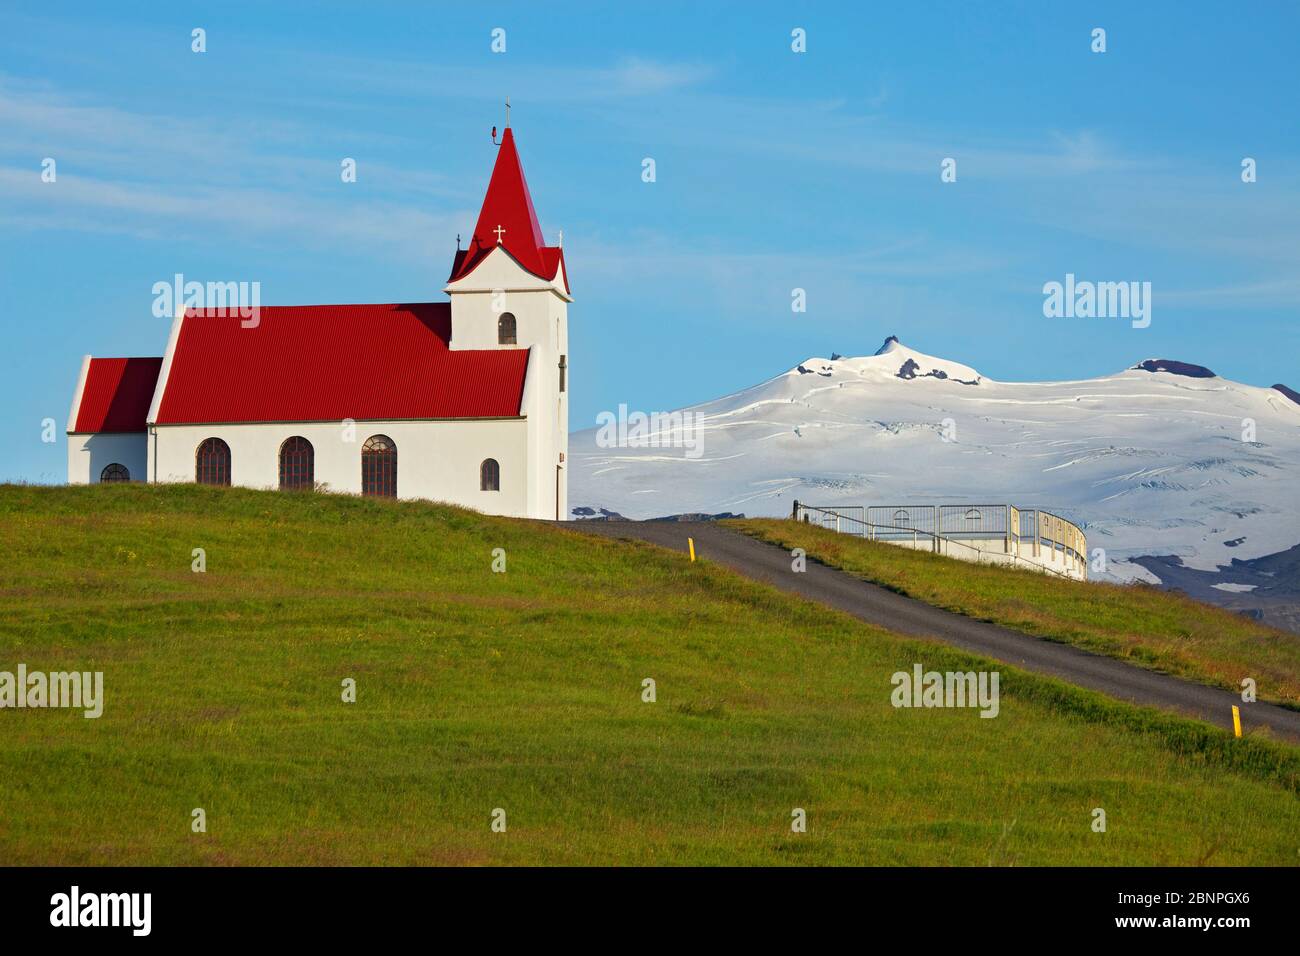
pixel 1163 458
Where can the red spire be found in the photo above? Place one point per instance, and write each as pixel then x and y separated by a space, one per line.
pixel 507 219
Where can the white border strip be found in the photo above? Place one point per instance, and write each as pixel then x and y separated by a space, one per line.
pixel 75 411
pixel 165 371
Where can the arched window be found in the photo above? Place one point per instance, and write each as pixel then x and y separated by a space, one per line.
pixel 212 463
pixel 902 518
pixel 379 467
pixel 489 475
pixel 506 329
pixel 115 472
pixel 297 464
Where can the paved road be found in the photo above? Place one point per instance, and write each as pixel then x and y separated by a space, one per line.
pixel 876 605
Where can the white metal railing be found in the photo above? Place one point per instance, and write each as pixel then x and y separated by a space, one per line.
pixel 1049 537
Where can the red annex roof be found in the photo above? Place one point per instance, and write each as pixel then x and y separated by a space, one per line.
pixel 321 363
pixel 509 205
pixel 117 395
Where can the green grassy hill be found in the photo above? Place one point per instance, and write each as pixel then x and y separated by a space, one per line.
pixel 522 691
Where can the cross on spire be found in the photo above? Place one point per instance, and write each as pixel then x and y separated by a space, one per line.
pixel 499 231
pixel 507 111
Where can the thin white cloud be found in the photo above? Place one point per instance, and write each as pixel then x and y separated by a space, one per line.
pixel 158 212
pixel 1272 293
pixel 630 77
pixel 40 123
pixel 640 77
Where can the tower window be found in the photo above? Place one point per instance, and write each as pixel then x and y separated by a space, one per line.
pixel 115 472
pixel 506 329
pixel 564 372
pixel 489 475
pixel 212 463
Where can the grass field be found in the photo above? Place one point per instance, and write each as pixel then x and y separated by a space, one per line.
pixel 522 691
pixel 1156 629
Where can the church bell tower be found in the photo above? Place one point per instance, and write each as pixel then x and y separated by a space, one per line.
pixel 509 290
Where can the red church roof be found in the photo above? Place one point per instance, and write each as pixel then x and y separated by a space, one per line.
pixel 116 395
pixel 324 363
pixel 509 206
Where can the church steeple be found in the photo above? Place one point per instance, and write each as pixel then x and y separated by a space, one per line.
pixel 507 219
pixel 510 292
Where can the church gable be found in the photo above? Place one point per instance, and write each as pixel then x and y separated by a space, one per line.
pixel 113 395
pixel 499 270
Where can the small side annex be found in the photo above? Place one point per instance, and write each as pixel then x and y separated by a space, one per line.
pixel 107 431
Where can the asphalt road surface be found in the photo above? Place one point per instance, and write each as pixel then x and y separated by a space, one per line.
pixel 876 605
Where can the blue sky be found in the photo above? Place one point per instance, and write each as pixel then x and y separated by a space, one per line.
pixel 775 170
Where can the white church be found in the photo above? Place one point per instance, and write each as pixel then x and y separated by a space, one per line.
pixel 462 401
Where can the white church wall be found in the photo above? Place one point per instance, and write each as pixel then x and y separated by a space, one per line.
pixel 438 460
pixel 88 455
pixel 548 410
pixel 560 414
pixel 542 487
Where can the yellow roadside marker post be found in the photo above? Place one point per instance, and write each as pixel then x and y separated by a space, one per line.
pixel 1236 720
pixel 691 543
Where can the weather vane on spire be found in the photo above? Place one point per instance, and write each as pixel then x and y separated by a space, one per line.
pixel 494 129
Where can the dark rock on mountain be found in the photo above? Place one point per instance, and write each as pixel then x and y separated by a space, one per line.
pixel 1174 367
pixel 699 516
pixel 1274 597
pixel 593 514
pixel 1289 393
pixel 909 369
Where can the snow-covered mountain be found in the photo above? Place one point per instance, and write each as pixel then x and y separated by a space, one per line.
pixel 1158 459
